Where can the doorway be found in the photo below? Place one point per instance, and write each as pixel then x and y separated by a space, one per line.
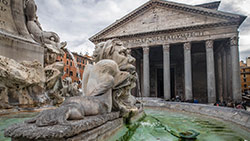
pixel 160 88
pixel 172 82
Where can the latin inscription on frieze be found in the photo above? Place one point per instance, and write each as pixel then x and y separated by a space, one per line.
pixel 165 38
pixel 6 21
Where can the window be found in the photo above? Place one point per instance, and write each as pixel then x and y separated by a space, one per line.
pixel 70 63
pixel 61 59
pixel 76 74
pixel 244 75
pixel 245 80
pixel 245 85
pixel 67 71
pixel 67 62
pixel 83 61
pixel 68 56
pixel 244 70
pixel 79 60
pixel 79 66
pixel 71 73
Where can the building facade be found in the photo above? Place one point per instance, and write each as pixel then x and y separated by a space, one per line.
pixel 245 76
pixel 69 66
pixel 182 50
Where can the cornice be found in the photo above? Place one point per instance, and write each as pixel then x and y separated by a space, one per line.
pixel 212 5
pixel 188 28
pixel 187 8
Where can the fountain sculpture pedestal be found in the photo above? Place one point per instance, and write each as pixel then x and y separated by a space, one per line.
pixel 15 41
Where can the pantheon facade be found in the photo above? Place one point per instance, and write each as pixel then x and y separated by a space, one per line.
pixel 185 51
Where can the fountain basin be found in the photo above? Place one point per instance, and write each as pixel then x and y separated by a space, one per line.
pixel 209 129
pixel 237 116
pixel 212 123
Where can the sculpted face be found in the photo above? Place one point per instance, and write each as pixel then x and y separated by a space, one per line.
pixel 98 51
pixel 115 50
pixel 123 58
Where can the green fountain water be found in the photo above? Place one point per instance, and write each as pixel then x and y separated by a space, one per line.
pixel 157 124
pixel 7 120
pixel 150 128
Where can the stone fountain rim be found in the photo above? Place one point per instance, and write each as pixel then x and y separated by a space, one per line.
pixel 237 116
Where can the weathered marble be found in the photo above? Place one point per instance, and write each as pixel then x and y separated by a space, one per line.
pixel 188 72
pixel 25 81
pixel 235 69
pixel 66 131
pixel 211 90
pixel 146 75
pixel 35 29
pixel 106 87
pixel 27 57
pixel 15 40
pixel 166 69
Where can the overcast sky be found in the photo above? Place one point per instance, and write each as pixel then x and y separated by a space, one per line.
pixel 77 20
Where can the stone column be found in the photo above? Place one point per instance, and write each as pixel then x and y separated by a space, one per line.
pixel 235 69
pixel 188 72
pixel 166 72
pixel 146 84
pixel 211 91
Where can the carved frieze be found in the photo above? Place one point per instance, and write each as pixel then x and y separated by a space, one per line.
pixel 165 38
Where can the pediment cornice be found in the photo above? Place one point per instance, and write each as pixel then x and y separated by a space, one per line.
pixel 231 18
pixel 189 28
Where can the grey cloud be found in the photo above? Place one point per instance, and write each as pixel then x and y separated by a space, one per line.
pixel 77 20
pixel 244 54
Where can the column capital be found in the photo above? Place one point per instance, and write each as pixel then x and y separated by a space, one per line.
pixel 209 44
pixel 234 40
pixel 145 50
pixel 166 47
pixel 187 46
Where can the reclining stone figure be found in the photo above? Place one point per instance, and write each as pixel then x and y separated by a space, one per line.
pixel 106 88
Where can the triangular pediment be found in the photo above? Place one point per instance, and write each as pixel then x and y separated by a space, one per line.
pixel 160 18
pixel 160 15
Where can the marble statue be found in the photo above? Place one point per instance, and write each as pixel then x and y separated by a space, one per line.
pixel 53 48
pixel 106 87
pixel 113 49
pixel 35 29
pixel 27 81
pixel 69 88
pixel 21 80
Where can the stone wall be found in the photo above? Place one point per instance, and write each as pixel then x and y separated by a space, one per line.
pixel 20 49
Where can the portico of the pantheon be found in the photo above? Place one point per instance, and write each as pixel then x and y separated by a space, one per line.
pixel 189 51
